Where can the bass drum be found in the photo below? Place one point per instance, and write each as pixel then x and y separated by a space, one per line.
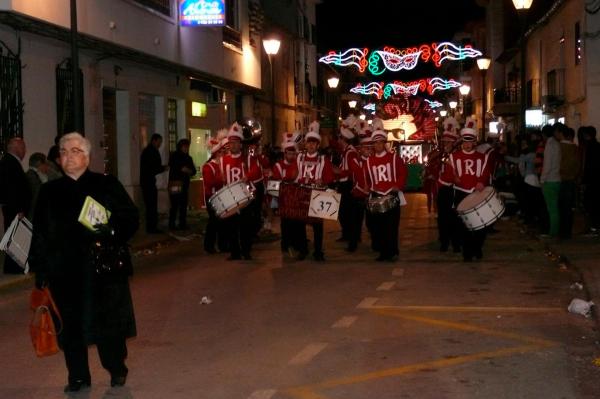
pixel 480 208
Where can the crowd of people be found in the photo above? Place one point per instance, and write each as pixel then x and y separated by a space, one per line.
pixel 364 172
pixel 551 171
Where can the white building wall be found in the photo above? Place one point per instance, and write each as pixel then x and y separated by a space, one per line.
pixel 129 25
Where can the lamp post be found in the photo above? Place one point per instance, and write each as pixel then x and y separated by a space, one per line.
pixel 522 6
pixel 333 83
pixel 483 64
pixel 464 91
pixel 271 46
pixel 453 104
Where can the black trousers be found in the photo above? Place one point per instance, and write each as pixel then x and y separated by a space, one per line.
pixel 317 235
pixel 566 205
pixel 385 232
pixel 291 234
pixel 472 240
pixel 591 203
pixel 369 225
pixel 448 221
pixel 255 209
pixel 239 230
pixel 215 233
pixel 150 194
pixel 179 204
pixel 345 214
pixel 112 349
pixel 10 266
pixel 355 220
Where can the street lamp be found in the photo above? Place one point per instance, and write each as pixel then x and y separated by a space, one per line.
pixel 443 113
pixel 333 82
pixel 453 104
pixel 464 90
pixel 522 6
pixel 352 103
pixel 483 64
pixel 271 46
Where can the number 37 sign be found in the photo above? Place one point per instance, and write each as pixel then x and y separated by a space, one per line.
pixel 324 204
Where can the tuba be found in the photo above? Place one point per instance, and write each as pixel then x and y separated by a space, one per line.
pixel 251 130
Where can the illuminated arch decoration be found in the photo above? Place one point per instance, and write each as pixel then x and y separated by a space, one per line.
pixel 383 90
pixel 395 60
pixel 370 107
pixel 353 56
pixel 410 116
pixel 433 104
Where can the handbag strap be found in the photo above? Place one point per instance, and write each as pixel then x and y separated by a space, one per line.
pixel 54 308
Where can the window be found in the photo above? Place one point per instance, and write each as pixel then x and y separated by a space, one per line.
pixel 231 31
pixel 198 109
pixel 160 6
pixel 578 44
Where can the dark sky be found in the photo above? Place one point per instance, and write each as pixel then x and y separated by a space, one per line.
pixel 399 23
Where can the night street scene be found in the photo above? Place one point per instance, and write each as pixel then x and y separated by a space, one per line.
pixel 299 199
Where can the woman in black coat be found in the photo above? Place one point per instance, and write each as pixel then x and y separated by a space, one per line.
pixel 181 168
pixel 96 308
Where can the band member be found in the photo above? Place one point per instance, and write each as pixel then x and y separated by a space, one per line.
pixel 255 160
pixel 471 173
pixel 359 191
pixel 234 168
pixel 386 176
pixel 286 170
pixel 314 170
pixel 213 181
pixel 349 161
pixel 448 222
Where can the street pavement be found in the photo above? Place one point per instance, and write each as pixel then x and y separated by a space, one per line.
pixel 427 326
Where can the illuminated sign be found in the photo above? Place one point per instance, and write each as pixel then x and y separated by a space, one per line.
pixel 202 12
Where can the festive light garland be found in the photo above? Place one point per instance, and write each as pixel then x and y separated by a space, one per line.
pixel 394 60
pixel 383 90
pixel 370 107
pixel 433 104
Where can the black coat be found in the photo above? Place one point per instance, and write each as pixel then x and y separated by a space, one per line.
pixel 100 305
pixel 177 161
pixel 150 165
pixel 15 194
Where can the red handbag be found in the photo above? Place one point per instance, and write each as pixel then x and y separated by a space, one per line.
pixel 42 329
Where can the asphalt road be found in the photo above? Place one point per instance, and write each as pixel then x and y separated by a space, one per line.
pixel 428 326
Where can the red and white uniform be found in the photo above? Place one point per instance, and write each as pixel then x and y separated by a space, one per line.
pixel 446 174
pixel 385 172
pixel 255 163
pixel 213 181
pixel 359 189
pixel 469 169
pixel 234 169
pixel 313 168
pixel 349 160
pixel 285 171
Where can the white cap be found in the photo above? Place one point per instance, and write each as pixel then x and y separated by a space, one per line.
pixel 468 133
pixel 346 133
pixel 288 145
pixel 235 131
pixel 312 135
pixel 379 135
pixel 214 145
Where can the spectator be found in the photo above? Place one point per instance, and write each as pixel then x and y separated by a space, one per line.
pixel 550 177
pixel 530 193
pixel 181 168
pixel 95 306
pixel 15 195
pixel 53 159
pixel 150 166
pixel 36 176
pixel 590 180
pixel 569 173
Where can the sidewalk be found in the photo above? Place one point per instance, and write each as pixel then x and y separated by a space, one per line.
pixel 141 244
pixel 582 255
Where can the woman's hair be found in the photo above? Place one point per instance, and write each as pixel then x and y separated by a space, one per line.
pixel 181 143
pixel 86 146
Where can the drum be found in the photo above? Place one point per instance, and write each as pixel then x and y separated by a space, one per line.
pixel 273 187
pixel 480 208
pixel 382 204
pixel 231 199
pixel 294 202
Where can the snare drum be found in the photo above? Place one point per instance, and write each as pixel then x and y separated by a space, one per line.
pixel 480 208
pixel 231 198
pixel 273 187
pixel 382 204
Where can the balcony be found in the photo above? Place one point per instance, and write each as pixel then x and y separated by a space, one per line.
pixel 506 101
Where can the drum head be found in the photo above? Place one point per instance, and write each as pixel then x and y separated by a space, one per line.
pixel 474 199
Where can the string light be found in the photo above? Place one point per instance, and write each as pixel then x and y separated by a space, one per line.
pixel 395 60
pixel 386 90
pixel 433 104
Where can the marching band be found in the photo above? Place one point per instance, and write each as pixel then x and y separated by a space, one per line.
pixel 370 180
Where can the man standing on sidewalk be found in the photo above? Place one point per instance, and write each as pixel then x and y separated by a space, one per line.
pixel 150 166
pixel 15 195
pixel 550 178
pixel 569 173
